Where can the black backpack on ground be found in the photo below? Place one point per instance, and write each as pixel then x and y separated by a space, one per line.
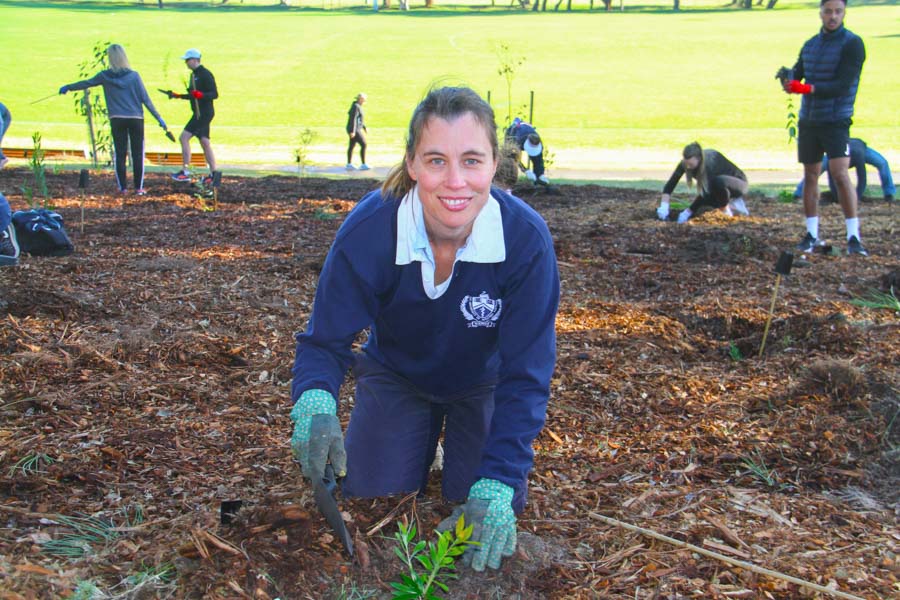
pixel 40 232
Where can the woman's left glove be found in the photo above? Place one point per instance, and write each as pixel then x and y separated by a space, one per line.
pixel 489 509
pixel 317 439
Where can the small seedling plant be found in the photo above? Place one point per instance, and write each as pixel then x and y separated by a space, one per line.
pixel 509 65
pixel 784 74
pixel 98 122
pixel 429 564
pixel 36 162
pixel 301 152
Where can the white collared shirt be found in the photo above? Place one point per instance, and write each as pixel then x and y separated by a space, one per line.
pixel 484 245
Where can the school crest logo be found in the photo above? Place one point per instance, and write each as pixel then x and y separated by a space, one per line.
pixel 481 310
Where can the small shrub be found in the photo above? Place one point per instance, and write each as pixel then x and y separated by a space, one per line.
pixel 786 196
pixel 36 162
pixel 438 560
pixel 838 380
pixel 301 152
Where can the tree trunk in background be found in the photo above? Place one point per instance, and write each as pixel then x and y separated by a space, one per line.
pixel 771 4
pixel 676 5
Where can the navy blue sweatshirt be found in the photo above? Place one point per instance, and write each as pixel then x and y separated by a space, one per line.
pixel 831 61
pixel 494 324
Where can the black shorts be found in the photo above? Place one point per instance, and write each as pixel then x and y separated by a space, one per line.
pixel 199 127
pixel 813 140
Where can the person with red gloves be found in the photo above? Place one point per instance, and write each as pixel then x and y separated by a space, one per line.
pixel 201 92
pixel 827 76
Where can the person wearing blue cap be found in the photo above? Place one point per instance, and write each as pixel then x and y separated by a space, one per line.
pixel 529 141
pixel 201 92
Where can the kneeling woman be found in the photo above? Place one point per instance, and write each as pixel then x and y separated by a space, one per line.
pixel 720 183
pixel 457 285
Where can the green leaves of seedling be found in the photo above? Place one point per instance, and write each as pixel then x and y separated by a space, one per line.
pixel 437 559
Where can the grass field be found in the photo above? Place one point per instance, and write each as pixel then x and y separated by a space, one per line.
pixel 610 88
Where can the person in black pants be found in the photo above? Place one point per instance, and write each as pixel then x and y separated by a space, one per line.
pixel 720 183
pixel 201 92
pixel 356 129
pixel 125 97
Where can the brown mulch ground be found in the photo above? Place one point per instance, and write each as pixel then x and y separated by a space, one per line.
pixel 145 379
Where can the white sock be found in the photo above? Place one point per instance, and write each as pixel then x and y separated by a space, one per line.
pixel 812 226
pixel 853 228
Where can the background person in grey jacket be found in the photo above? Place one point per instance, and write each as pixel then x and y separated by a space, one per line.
pixel 126 97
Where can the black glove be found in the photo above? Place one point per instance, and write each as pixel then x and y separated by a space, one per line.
pixel 784 74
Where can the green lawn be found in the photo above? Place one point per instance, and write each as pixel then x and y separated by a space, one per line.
pixel 618 87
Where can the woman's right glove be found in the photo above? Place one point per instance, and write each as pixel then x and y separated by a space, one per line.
pixel 317 439
pixel 663 211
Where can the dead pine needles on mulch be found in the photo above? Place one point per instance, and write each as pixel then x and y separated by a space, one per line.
pixel 145 380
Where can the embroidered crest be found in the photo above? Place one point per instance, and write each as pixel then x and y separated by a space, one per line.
pixel 481 310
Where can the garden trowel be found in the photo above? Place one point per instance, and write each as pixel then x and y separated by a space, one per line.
pixel 324 494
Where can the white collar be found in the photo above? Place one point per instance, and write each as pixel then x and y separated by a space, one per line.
pixel 485 244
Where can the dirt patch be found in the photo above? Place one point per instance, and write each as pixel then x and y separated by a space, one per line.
pixel 148 375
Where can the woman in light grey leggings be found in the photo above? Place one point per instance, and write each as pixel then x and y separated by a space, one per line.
pixel 5 118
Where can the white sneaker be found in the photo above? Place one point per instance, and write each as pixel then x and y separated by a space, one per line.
pixel 3 162
pixel 737 206
pixel 350 167
pixel 727 211
pixel 364 167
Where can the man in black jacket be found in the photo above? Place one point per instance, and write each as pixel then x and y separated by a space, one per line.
pixel 830 63
pixel 201 92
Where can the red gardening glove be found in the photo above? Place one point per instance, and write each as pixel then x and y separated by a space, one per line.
pixel 795 87
pixel 198 94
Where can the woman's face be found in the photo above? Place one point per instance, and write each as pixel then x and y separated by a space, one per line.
pixel 690 163
pixel 453 165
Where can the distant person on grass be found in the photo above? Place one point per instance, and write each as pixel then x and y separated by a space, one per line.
pixel 356 129
pixel 720 183
pixel 126 97
pixel 201 92
pixel 5 119
pixel 861 154
pixel 458 286
pixel 526 137
pixel 830 62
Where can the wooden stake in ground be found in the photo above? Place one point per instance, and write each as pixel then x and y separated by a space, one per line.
pixel 732 561
pixel 782 267
pixel 82 187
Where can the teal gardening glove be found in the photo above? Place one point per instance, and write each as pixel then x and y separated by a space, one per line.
pixel 317 438
pixel 489 509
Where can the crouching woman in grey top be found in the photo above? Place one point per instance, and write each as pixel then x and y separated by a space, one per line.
pixel 720 183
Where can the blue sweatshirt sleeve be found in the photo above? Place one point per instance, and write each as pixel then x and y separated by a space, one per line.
pixel 527 359
pixel 84 84
pixel 344 306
